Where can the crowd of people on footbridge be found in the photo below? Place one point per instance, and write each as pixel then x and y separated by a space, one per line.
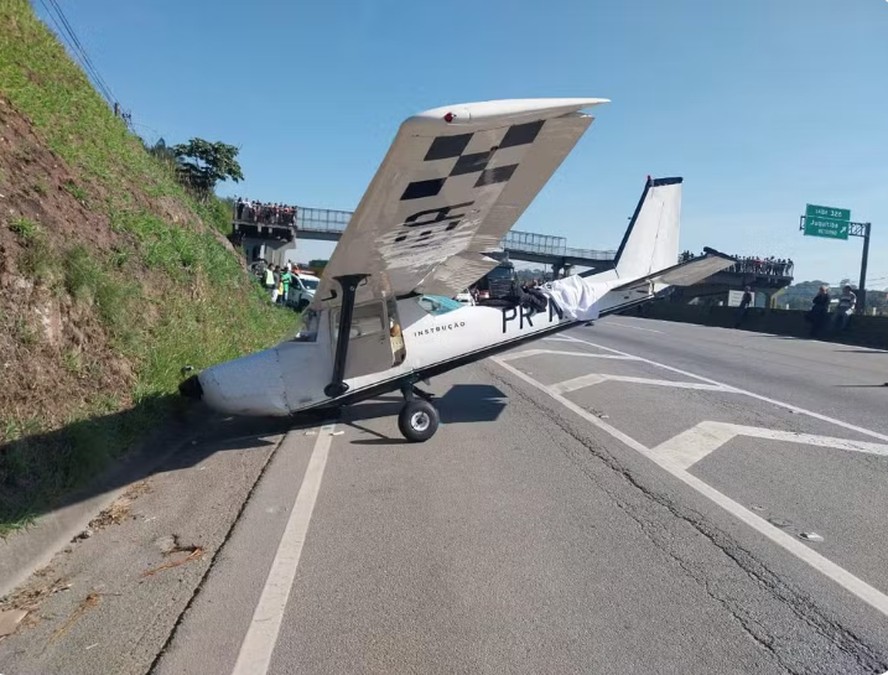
pixel 266 213
pixel 771 266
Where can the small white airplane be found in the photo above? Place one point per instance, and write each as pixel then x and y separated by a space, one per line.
pixel 452 185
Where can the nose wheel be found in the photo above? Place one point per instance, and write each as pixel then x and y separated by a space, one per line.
pixel 418 420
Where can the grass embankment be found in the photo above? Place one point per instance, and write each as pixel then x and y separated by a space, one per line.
pixel 104 298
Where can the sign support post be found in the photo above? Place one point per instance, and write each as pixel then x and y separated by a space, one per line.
pixel 834 223
pixel 861 287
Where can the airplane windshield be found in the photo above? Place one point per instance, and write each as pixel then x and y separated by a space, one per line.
pixel 438 304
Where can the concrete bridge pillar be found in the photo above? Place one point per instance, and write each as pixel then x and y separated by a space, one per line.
pixel 561 268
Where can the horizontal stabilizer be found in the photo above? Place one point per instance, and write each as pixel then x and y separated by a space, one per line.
pixel 687 273
pixel 579 298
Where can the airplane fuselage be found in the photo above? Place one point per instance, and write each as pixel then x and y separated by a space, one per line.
pixel 291 376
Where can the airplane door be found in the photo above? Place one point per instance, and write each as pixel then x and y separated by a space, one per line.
pixel 399 349
pixel 373 343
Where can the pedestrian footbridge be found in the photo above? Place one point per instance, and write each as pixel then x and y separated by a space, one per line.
pixel 329 224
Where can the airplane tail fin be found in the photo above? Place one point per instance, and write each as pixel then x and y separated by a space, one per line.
pixel 651 240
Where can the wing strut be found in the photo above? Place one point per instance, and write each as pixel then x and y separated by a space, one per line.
pixel 349 284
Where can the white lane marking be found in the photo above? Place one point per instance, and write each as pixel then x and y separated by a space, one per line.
pixel 554 338
pixel 692 445
pixel 841 576
pixel 577 383
pixel 626 325
pixel 560 352
pixel 261 638
pixel 597 378
pixel 689 447
pixel 746 392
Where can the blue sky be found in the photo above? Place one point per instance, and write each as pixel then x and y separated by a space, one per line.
pixel 761 105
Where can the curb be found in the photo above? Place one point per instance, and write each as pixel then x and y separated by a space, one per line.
pixel 24 552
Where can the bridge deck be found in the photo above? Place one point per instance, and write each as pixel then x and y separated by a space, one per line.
pixel 529 246
pixel 546 249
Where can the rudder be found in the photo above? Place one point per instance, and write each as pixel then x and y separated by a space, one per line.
pixel 651 240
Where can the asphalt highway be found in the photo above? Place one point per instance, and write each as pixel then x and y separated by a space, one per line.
pixel 633 496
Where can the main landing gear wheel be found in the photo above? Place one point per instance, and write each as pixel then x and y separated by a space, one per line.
pixel 418 420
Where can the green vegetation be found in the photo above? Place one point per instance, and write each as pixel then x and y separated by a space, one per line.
pixel 76 191
pixel 24 227
pixel 36 259
pixel 203 164
pixel 800 295
pixel 160 295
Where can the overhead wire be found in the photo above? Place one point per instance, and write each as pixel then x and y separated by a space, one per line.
pixel 100 81
pixel 67 33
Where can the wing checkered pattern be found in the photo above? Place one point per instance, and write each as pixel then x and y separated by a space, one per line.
pixel 483 165
pixel 447 193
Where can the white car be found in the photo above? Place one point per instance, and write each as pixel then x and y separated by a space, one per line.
pixel 465 298
pixel 302 290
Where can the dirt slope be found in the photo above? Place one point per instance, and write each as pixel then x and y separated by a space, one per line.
pixel 111 277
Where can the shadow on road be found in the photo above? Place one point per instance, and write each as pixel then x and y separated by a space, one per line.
pixel 862 386
pixel 46 471
pixel 463 403
pixel 43 472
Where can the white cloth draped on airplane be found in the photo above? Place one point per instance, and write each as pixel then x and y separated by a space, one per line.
pixel 575 297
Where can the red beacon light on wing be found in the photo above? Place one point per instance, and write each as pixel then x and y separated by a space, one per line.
pixel 449 117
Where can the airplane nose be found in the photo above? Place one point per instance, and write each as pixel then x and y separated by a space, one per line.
pixel 191 388
pixel 249 385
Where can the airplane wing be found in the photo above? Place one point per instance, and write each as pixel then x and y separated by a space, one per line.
pixel 684 274
pixel 452 184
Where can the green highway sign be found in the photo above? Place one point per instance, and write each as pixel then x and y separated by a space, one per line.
pixel 827 212
pixel 826 227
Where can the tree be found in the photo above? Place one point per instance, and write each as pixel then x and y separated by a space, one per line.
pixel 202 164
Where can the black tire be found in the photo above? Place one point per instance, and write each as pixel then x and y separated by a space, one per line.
pixel 303 303
pixel 418 420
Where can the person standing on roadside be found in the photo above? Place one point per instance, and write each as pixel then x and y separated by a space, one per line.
pixel 276 291
pixel 286 280
pixel 269 278
pixel 845 308
pixel 744 303
pixel 819 312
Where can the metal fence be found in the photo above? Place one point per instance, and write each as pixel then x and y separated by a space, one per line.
pixel 322 220
pixel 532 242
pixel 752 265
pixel 589 254
pixel 333 221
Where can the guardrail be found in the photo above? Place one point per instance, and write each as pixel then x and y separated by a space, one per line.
pixel 589 254
pixel 330 221
pixel 544 244
pixel 751 265
pixel 322 220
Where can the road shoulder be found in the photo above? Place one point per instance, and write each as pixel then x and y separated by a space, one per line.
pixel 109 602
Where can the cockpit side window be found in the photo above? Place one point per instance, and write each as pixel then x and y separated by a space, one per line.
pixel 438 304
pixel 310 323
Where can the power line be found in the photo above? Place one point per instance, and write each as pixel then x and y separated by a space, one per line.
pixel 86 58
pixel 67 33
